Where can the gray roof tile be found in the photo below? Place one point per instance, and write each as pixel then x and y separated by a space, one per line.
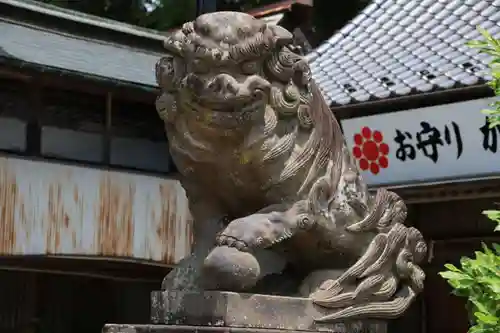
pixel 401 47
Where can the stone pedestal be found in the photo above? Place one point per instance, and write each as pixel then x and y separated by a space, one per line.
pixel 182 312
pixel 129 328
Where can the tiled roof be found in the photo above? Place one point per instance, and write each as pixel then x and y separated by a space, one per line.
pixel 402 47
pixel 75 54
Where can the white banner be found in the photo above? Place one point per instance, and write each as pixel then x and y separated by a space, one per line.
pixel 428 144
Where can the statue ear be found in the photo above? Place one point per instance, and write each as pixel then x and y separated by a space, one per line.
pixel 281 36
pixel 173 42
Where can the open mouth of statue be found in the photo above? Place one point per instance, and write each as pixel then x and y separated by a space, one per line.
pixel 234 104
pixel 223 93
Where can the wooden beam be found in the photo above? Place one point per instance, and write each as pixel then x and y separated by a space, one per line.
pixel 74 82
pixel 8 73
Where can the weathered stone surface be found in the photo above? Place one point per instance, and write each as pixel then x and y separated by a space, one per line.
pixel 125 328
pixel 252 311
pixel 129 328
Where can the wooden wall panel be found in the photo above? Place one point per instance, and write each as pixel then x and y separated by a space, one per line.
pixel 455 219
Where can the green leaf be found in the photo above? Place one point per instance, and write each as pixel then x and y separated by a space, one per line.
pixel 479 306
pixel 492 214
pixel 494 123
pixel 488 37
pixel 476 43
pixel 497 248
pixel 461 292
pixel 489 112
pixel 486 249
pixel 486 318
pixel 476 329
pixel 453 275
pixel 492 283
pixel 457 280
pixel 465 262
pixel 481 257
pixel 452 268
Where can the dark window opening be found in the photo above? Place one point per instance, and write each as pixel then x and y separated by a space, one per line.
pixel 72 110
pixel 72 125
pixel 15 115
pixel 13 99
pixel 138 137
pixel 138 120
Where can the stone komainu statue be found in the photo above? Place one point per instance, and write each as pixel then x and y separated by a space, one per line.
pixel 265 166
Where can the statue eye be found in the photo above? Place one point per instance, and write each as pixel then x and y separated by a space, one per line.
pixel 250 67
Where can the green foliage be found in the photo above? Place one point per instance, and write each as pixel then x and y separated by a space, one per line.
pixel 478 279
pixel 491 46
pixel 152 14
pixel 328 16
pixel 493 215
pixel 168 14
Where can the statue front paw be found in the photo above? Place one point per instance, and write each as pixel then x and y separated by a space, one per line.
pixel 231 265
pixel 254 231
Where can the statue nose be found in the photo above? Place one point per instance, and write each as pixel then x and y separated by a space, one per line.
pixel 224 84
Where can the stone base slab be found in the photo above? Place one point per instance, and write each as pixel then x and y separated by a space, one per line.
pixel 252 312
pixel 126 328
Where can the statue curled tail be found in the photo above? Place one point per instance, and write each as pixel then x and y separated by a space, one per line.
pixel 386 278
